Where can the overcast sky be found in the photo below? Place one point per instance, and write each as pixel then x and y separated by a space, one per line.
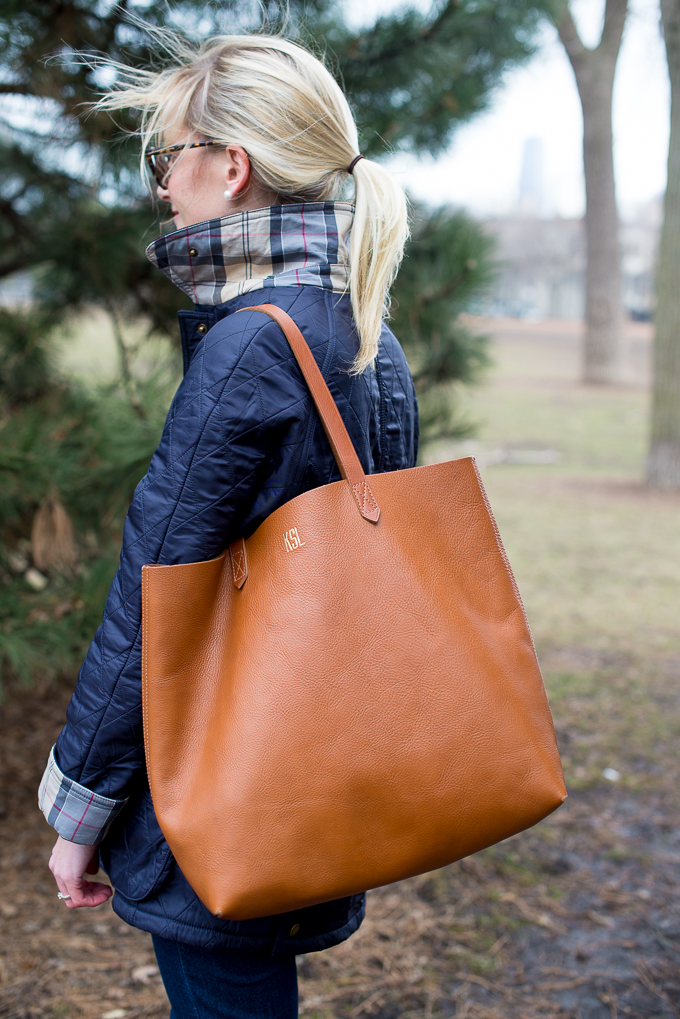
pixel 482 168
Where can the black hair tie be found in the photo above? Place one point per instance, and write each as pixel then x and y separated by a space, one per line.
pixel 354 162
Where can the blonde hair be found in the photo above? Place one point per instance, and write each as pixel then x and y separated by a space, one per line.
pixel 281 104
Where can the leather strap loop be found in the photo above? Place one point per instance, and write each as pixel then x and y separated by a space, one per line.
pixel 239 562
pixel 343 450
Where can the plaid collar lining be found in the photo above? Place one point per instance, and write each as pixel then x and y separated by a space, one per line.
pixel 280 246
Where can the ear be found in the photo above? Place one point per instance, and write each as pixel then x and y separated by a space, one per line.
pixel 237 173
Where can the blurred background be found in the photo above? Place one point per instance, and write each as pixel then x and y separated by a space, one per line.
pixel 539 306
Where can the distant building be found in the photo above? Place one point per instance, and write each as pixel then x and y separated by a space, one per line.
pixel 542 259
pixel 541 267
pixel 542 264
pixel 640 244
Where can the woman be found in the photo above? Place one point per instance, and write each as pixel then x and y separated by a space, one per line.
pixel 257 146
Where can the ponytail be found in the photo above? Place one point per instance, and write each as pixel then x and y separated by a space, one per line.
pixel 281 104
pixel 377 241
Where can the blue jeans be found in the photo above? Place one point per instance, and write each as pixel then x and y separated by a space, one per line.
pixel 222 983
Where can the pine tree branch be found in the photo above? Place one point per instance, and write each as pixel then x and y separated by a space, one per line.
pixel 431 32
pixel 402 45
pixel 10 88
pixel 17 222
pixel 443 292
pixel 117 17
pixel 125 367
pixel 13 265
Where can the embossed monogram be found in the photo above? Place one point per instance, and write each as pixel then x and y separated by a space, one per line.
pixel 292 540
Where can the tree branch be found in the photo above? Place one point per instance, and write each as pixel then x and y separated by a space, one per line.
pixel 10 214
pixel 571 40
pixel 410 42
pixel 14 265
pixel 124 355
pixel 607 50
pixel 7 88
pixel 614 20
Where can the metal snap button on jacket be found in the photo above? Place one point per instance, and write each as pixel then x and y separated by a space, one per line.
pixel 295 929
pixel 201 328
pixel 193 252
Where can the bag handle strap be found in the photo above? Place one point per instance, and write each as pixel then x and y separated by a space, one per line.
pixel 343 450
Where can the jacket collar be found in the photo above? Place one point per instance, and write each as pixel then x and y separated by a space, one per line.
pixel 280 246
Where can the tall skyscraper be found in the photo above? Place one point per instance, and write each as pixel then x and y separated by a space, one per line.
pixel 531 187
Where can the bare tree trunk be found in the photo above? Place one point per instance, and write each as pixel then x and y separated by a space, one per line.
pixel 594 71
pixel 663 461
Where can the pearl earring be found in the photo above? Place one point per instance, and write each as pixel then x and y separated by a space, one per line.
pixel 227 194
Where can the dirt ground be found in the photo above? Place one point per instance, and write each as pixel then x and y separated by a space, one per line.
pixel 578 918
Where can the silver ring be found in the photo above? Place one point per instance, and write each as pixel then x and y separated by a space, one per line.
pixel 60 895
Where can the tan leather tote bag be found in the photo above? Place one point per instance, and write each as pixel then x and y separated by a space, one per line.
pixel 349 697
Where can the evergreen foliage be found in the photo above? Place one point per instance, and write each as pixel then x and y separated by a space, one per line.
pixel 74 214
pixel 70 181
pixel 84 449
pixel 447 264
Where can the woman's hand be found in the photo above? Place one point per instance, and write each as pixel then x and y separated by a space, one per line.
pixel 69 862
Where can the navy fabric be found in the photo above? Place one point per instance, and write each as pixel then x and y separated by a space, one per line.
pixel 241 438
pixel 224 984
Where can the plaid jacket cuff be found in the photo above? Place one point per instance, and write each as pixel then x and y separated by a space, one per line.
pixel 75 813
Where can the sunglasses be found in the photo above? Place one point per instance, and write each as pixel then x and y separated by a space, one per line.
pixel 161 160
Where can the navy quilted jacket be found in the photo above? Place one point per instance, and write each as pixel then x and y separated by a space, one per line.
pixel 241 438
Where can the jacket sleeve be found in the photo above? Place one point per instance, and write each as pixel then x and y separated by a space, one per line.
pixel 234 408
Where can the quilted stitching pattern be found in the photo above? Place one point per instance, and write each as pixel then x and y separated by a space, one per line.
pixel 241 438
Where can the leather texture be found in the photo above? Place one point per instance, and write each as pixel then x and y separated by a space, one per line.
pixel 366 706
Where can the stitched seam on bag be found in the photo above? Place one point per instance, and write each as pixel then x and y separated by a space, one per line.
pixel 366 497
pixel 238 566
pixel 501 549
pixel 145 728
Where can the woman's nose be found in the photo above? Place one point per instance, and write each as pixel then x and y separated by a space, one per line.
pixel 163 194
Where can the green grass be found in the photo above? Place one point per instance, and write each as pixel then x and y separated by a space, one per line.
pixel 531 398
pixel 594 431
pixel 87 349
pixel 597 565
